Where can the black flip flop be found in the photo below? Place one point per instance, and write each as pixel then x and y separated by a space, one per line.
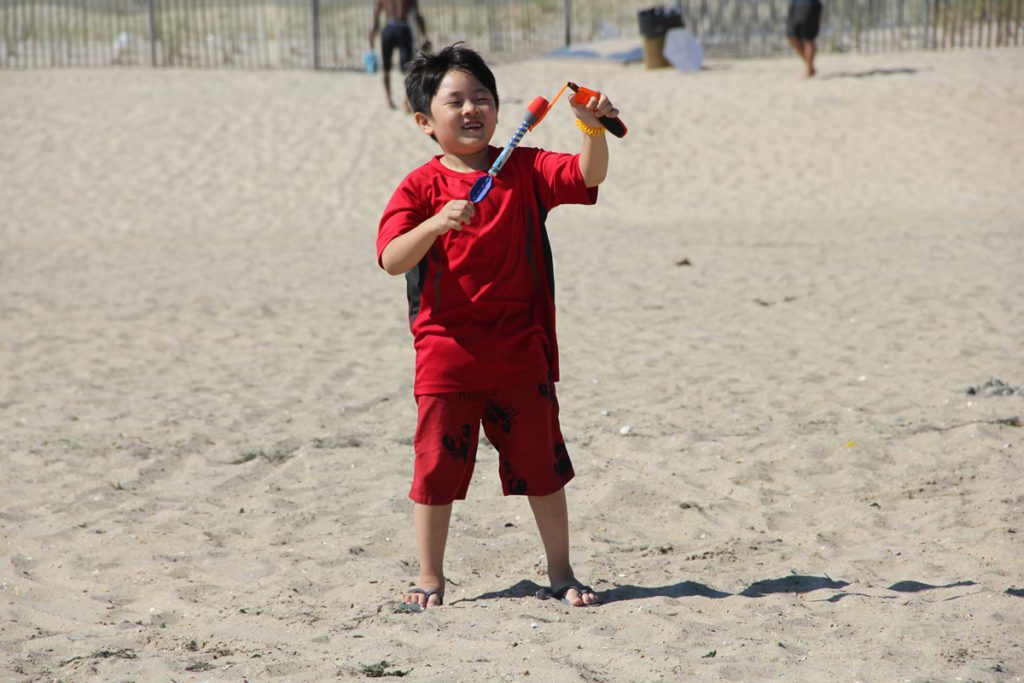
pixel 417 607
pixel 559 593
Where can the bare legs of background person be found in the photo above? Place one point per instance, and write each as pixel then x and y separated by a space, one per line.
pixel 807 50
pixel 391 102
pixel 387 89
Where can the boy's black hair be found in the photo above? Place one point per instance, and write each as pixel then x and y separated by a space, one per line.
pixel 428 70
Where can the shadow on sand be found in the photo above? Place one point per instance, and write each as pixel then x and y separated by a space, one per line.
pixel 917 586
pixel 871 73
pixel 796 584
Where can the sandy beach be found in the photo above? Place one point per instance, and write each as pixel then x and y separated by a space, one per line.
pixel 792 350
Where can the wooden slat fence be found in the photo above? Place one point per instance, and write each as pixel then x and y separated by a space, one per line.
pixel 332 34
pixel 748 28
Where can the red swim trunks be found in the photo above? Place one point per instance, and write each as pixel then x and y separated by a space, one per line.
pixel 520 421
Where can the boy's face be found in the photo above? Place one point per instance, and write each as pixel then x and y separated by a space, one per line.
pixel 463 115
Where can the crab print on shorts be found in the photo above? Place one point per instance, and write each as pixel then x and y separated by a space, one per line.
pixel 502 415
pixel 563 465
pixel 547 390
pixel 458 447
pixel 516 484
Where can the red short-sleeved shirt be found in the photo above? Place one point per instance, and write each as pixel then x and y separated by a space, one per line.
pixel 481 302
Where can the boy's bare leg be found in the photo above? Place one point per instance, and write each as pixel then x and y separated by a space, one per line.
pixel 552 516
pixel 431 522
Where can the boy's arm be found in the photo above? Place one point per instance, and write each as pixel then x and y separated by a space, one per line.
pixel 594 153
pixel 405 251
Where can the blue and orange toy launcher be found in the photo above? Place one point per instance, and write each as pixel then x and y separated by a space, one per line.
pixel 535 113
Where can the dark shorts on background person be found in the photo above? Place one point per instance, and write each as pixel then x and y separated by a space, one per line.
pixel 520 421
pixel 804 19
pixel 396 34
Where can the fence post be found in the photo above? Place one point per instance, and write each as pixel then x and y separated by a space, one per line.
pixel 152 34
pixel 316 34
pixel 495 32
pixel 568 22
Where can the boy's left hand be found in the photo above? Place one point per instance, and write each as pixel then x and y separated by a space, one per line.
pixel 596 107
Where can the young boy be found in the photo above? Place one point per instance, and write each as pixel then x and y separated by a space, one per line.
pixel 481 308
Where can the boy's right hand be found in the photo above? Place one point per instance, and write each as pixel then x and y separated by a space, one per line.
pixel 454 215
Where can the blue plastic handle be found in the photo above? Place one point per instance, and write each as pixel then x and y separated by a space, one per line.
pixel 480 188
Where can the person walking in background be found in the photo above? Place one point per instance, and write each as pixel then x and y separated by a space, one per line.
pixel 802 29
pixel 396 34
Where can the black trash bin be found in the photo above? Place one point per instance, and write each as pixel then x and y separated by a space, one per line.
pixel 655 22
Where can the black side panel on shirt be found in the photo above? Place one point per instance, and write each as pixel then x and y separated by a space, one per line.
pixel 414 279
pixel 549 263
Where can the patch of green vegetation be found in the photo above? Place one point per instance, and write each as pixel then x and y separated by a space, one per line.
pixel 380 669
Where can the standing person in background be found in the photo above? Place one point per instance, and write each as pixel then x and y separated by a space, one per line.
pixel 396 34
pixel 802 29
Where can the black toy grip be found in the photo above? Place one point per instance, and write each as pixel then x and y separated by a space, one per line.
pixel 614 125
